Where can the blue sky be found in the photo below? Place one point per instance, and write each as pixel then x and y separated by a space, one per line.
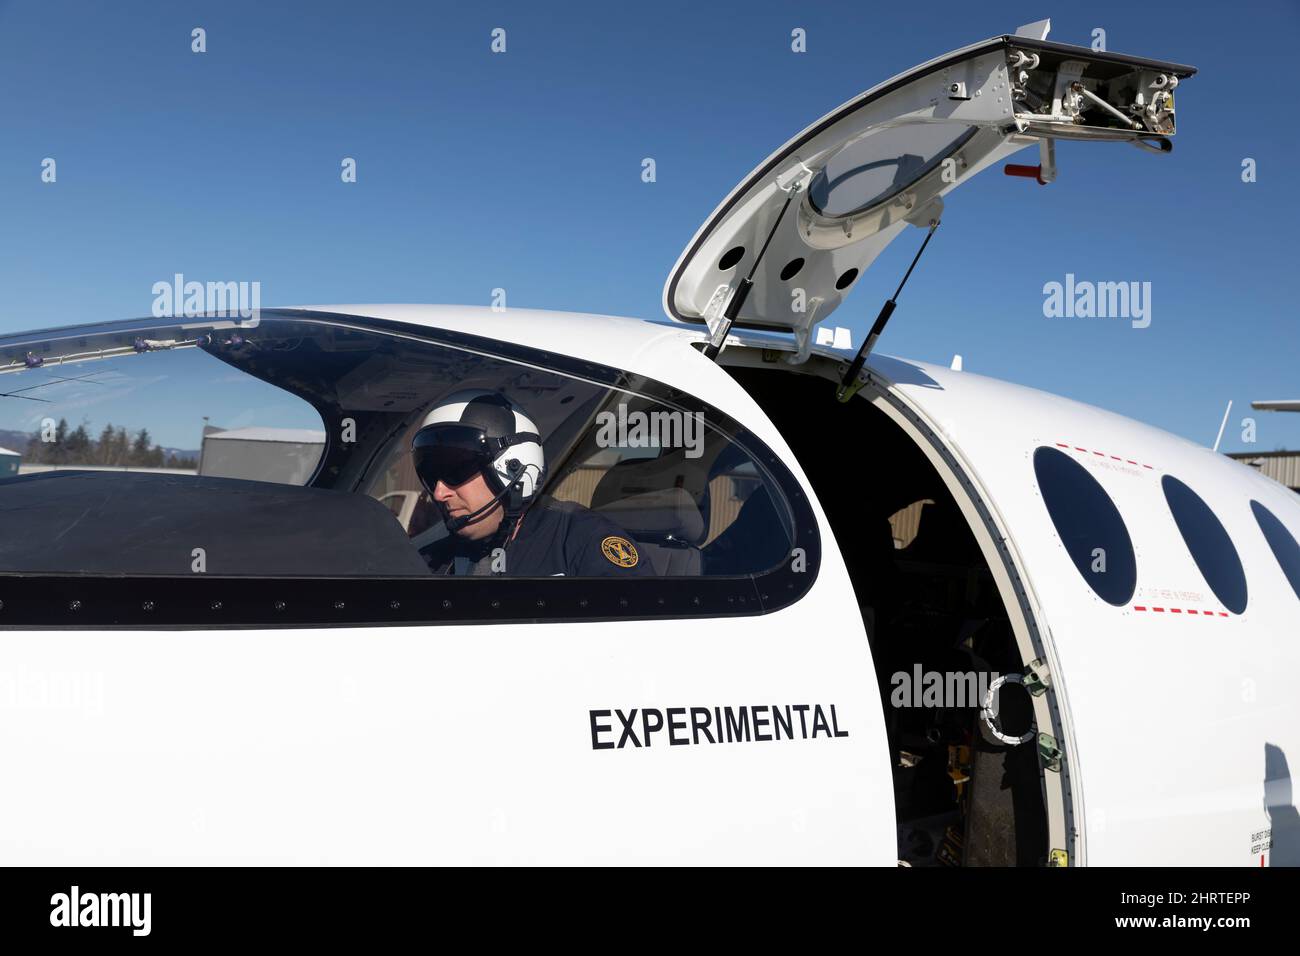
pixel 522 171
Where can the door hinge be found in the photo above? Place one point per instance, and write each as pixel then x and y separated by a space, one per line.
pixel 1037 677
pixel 1049 753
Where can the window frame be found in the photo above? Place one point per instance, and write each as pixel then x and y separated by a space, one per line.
pixel 203 601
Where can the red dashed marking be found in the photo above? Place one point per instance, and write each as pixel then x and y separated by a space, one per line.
pixel 1102 454
pixel 1179 610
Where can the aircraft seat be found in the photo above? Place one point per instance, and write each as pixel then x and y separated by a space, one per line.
pixel 666 522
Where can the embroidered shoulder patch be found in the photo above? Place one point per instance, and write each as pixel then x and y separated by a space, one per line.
pixel 619 551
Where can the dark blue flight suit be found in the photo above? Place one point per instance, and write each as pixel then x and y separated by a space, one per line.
pixel 555 538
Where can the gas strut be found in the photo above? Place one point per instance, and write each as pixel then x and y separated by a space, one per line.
pixel 849 385
pixel 742 288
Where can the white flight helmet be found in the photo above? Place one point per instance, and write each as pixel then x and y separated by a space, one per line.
pixel 479 431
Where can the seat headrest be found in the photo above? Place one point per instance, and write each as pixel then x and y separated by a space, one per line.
pixel 638 475
pixel 663 512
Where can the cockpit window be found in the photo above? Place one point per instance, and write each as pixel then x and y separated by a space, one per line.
pixel 1089 525
pixel 695 502
pixel 1208 542
pixel 677 495
pixel 312 446
pixel 1282 543
pixel 179 411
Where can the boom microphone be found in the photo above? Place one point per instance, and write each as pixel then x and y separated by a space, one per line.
pixel 455 524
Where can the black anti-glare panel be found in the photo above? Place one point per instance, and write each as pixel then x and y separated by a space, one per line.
pixel 96 522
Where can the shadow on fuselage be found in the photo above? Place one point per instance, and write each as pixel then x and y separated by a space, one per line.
pixel 902 372
pixel 1282 815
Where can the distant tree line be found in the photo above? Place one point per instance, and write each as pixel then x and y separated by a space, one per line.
pixel 114 447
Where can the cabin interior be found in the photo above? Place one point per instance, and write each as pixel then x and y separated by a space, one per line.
pixel 927 597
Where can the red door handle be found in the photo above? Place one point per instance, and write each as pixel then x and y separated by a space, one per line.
pixel 1028 172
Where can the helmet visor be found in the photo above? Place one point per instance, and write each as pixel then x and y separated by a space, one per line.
pixel 449 452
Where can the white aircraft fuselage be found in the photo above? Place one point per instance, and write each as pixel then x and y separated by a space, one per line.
pixel 1156 661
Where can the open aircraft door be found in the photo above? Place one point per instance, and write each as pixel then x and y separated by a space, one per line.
pixel 816 213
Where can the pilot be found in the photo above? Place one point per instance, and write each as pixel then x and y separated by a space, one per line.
pixel 481 460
